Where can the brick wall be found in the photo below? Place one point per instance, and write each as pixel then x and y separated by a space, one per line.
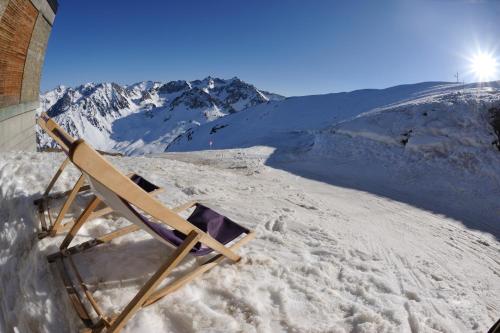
pixel 16 27
pixel 25 27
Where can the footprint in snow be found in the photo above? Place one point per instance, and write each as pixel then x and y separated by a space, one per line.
pixel 278 225
pixel 482 242
pixel 191 190
pixel 412 296
pixel 310 207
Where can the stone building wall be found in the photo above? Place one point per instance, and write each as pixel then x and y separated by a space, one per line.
pixel 25 27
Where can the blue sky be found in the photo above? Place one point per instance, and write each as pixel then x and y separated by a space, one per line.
pixel 290 47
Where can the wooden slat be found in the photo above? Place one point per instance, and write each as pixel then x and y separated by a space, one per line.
pixel 73 250
pixel 98 327
pixel 79 222
pixel 90 162
pixel 41 214
pixel 118 233
pixel 179 282
pixel 56 176
pixel 69 200
pixel 73 294
pixel 185 206
pixel 93 242
pixel 87 292
pixel 136 303
pixel 60 195
pixel 147 295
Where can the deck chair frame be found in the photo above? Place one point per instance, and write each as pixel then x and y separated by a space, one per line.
pixel 84 157
pixel 50 226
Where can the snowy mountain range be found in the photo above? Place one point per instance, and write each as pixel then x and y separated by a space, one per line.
pixel 458 123
pixel 146 116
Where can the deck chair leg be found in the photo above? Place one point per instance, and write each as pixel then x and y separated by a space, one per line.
pixel 154 281
pixel 56 176
pixel 73 294
pixel 118 233
pixel 93 242
pixel 67 204
pixel 79 222
pixel 206 266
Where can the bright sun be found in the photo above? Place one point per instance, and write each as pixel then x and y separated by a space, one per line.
pixel 484 66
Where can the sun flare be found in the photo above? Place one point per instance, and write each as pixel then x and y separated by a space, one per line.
pixel 484 65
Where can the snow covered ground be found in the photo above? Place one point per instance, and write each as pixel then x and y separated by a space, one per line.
pixel 329 256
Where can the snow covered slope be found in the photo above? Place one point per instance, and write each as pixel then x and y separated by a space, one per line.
pixel 146 116
pixel 415 144
pixel 326 258
pixel 276 124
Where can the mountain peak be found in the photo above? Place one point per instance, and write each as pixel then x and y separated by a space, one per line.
pixel 169 109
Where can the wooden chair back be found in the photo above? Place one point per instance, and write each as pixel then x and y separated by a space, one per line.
pixel 118 190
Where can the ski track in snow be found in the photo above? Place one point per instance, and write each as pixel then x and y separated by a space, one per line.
pixel 326 258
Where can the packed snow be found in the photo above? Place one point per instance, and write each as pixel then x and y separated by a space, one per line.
pixel 327 257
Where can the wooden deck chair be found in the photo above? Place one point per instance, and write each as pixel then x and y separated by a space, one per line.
pixel 64 140
pixel 203 232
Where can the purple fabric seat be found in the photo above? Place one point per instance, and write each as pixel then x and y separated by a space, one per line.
pixel 143 183
pixel 216 225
